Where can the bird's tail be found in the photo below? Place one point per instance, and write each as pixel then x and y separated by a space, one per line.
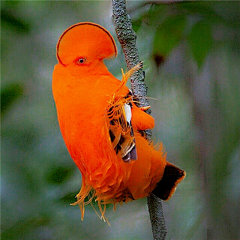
pixel 172 176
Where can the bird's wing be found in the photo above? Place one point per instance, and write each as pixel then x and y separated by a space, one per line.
pixel 119 114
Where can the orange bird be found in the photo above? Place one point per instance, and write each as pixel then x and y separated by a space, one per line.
pixel 101 125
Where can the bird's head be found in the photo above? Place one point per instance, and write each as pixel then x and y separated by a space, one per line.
pixel 85 44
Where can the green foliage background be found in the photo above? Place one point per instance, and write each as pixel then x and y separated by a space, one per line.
pixel 191 57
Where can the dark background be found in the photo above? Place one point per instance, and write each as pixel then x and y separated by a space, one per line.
pixel 191 58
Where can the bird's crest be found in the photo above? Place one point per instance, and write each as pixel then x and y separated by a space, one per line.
pixel 84 37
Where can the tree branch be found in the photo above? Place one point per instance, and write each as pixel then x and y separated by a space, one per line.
pixel 127 38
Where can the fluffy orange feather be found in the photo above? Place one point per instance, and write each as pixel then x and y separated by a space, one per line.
pixel 101 124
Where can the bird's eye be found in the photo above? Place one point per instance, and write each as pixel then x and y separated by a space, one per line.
pixel 81 61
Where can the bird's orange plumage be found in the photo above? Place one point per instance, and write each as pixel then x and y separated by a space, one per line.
pixel 117 163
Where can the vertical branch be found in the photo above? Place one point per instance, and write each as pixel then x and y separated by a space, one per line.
pixel 127 38
pixel 157 219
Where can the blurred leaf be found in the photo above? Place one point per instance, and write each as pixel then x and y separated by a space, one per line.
pixel 69 198
pixel 18 230
pixel 59 174
pixel 217 12
pixel 205 9
pixel 136 24
pixel 200 40
pixel 9 94
pixel 168 34
pixel 156 13
pixel 154 16
pixel 229 141
pixel 13 22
